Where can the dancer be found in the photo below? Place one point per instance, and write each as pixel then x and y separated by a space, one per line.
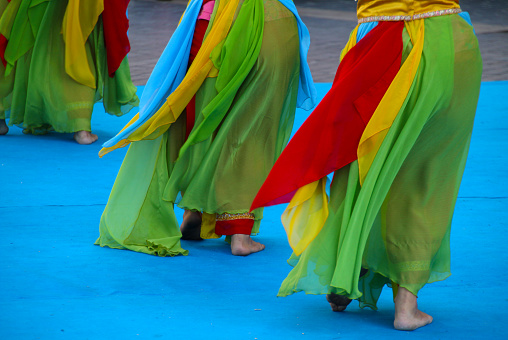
pixel 210 127
pixel 59 58
pixel 395 130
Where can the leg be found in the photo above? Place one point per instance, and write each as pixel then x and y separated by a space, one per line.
pixel 338 302
pixel 85 137
pixel 407 315
pixel 191 226
pixel 239 227
pixel 243 245
pixel 224 173
pixel 3 127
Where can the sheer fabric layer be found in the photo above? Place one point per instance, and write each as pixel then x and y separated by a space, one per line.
pixel 39 95
pixel 397 224
pixel 220 174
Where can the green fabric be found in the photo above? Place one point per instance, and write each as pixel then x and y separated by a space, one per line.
pixel 6 82
pixel 397 224
pixel 139 222
pixel 43 97
pixel 223 172
pixel 234 59
pixel 7 21
pixel 22 19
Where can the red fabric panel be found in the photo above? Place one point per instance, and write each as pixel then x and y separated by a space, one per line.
pixel 116 25
pixel 197 41
pixel 329 138
pixel 233 227
pixel 3 46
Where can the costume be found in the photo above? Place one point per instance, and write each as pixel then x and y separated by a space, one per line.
pixel 395 130
pixel 59 58
pixel 208 133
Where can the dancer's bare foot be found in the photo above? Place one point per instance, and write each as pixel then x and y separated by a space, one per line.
pixel 407 315
pixel 3 127
pixel 243 245
pixel 191 226
pixel 85 137
pixel 338 302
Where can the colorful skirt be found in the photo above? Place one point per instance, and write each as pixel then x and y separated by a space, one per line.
pixel 219 175
pixel 38 94
pixel 395 129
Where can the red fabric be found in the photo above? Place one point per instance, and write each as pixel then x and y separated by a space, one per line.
pixel 116 25
pixel 197 41
pixel 329 138
pixel 233 227
pixel 3 46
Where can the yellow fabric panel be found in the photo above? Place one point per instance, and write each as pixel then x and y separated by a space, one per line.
pixel 201 68
pixel 394 98
pixel 306 215
pixel 373 8
pixel 80 19
pixel 351 43
pixel 208 226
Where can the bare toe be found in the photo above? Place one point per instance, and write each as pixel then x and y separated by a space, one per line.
pixel 3 127
pixel 407 315
pixel 85 137
pixel 412 321
pixel 243 245
pixel 338 302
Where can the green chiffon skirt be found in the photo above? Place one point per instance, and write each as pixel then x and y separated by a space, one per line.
pixel 221 174
pixel 398 222
pixel 38 95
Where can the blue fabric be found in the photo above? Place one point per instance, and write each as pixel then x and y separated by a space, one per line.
pixel 365 28
pixel 168 73
pixel 173 63
pixel 307 95
pixel 465 16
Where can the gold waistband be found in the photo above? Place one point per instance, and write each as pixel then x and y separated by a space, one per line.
pixel 404 10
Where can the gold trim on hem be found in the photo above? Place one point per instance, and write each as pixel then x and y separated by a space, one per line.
pixel 410 17
pixel 229 217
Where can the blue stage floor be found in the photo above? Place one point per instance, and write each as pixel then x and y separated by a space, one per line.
pixel 56 284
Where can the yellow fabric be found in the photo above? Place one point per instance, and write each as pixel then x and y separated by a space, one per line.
pixel 307 212
pixel 201 68
pixel 394 98
pixel 208 226
pixel 373 8
pixel 306 215
pixel 351 43
pixel 80 19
